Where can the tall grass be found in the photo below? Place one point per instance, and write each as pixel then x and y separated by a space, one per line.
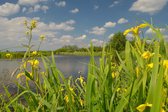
pixel 139 82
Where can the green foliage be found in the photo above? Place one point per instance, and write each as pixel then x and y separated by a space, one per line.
pixel 117 42
pixel 67 48
pixel 140 79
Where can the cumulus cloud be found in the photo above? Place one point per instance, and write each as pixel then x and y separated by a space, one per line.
pixel 30 2
pixel 150 31
pixel 122 21
pixel 74 11
pixel 8 9
pixel 60 4
pixel 114 3
pixel 66 26
pixel 82 37
pixel 37 8
pixel 148 6
pixel 97 30
pixel 12 31
pixel 68 40
pixel 97 42
pixel 109 24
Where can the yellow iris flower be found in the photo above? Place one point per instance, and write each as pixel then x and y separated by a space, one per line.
pixel 33 24
pixel 34 53
pixel 142 107
pixel 165 63
pixel 81 102
pixel 81 79
pixel 66 98
pixel 135 30
pixel 34 63
pixel 42 37
pixel 21 74
pixel 150 65
pixel 114 74
pixel 8 55
pixel 147 55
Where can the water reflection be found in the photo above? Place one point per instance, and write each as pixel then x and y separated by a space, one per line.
pixel 68 65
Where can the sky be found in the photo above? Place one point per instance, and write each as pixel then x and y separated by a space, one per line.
pixel 75 22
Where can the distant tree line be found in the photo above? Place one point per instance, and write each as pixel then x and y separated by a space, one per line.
pixel 115 43
pixel 74 48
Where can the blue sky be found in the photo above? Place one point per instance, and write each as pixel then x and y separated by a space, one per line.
pixel 76 22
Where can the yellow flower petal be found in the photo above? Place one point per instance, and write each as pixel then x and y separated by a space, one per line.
pixel 118 89
pixel 142 107
pixel 66 98
pixel 34 53
pixel 127 31
pixel 147 55
pixel 81 79
pixel 150 65
pixel 33 24
pixel 19 75
pixel 8 55
pixel 42 37
pixel 81 102
pixel 135 30
pixel 162 110
pixel 165 63
pixel 34 63
pixel 143 25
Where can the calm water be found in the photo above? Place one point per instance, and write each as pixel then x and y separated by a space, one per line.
pixel 68 65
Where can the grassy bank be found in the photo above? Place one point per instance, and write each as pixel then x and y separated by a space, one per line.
pixel 136 83
pixel 78 53
pixel 19 55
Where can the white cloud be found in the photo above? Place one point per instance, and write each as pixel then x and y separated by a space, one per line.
pixel 66 26
pixel 148 6
pixel 113 4
pixel 74 11
pixel 122 21
pixel 150 31
pixel 97 30
pixel 116 2
pixel 109 24
pixel 68 40
pixel 61 4
pixel 37 8
pixel 96 7
pixel 130 37
pixel 12 32
pixel 82 37
pixel 30 2
pixel 97 42
pixel 8 9
pixel 111 35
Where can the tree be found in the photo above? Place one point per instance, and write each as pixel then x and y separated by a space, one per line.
pixel 68 48
pixel 117 42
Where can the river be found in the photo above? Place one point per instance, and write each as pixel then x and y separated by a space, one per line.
pixel 68 65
